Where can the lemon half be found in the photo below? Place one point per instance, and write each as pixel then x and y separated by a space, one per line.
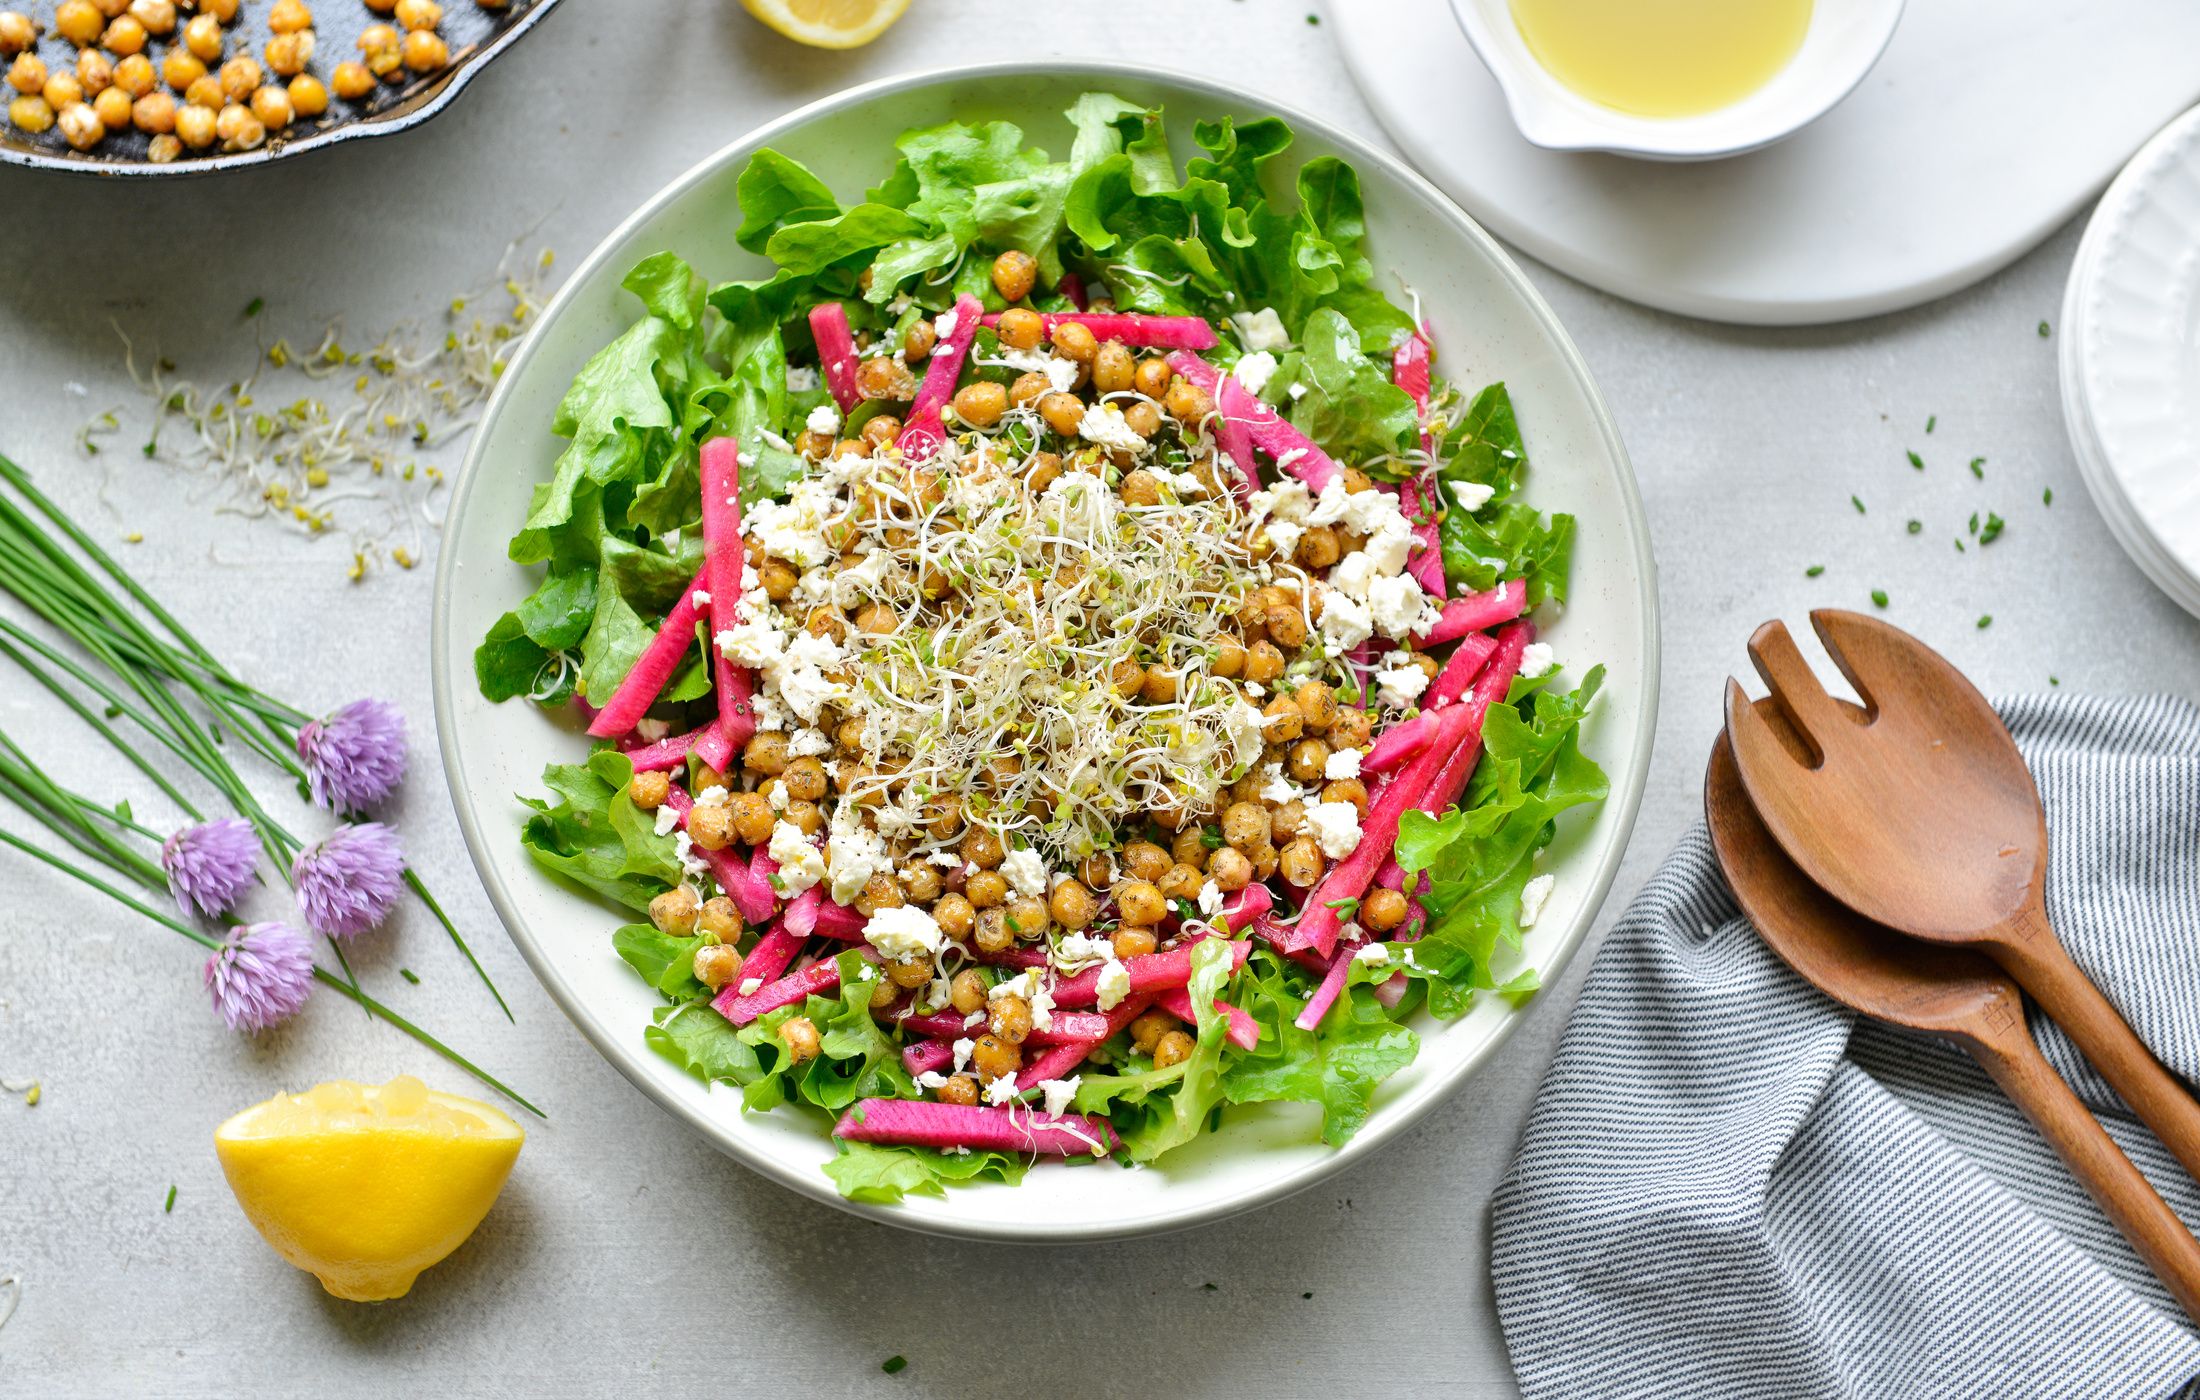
pixel 365 1185
pixel 828 24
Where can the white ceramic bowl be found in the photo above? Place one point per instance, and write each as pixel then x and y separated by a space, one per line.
pixel 1844 40
pixel 1489 324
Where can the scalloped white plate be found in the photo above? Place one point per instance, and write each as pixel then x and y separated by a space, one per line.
pixel 2130 359
pixel 1489 323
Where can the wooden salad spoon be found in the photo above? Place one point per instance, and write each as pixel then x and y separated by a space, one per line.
pixel 1921 815
pixel 1949 992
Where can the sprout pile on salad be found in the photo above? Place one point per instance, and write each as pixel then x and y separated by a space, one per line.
pixel 1060 662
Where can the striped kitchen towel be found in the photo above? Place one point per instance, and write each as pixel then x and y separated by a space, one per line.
pixel 1732 1187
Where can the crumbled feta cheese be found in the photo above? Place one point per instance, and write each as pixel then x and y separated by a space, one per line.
pixel 1103 424
pixel 1336 826
pixel 1361 512
pixel 793 529
pixel 1343 764
pixel 1533 896
pixel 1284 536
pixel 1254 371
pixel 931 1079
pixel 1537 659
pixel 1261 330
pixel 1399 606
pixel 1399 686
pixel 945 860
pixel 1279 790
pixel 903 933
pixel 667 819
pixel 1025 873
pixel 757 645
pixel 800 866
pixel 962 1048
pixel 1345 622
pixel 1210 899
pixel 1024 984
pixel 700 598
pixel 1001 1092
pixel 1115 984
pixel 809 743
pixel 943 326
pixel 775 796
pixel 750 986
pixel 853 853
pixel 683 849
pixel 801 379
pixel 1298 391
pixel 717 796
pixel 1471 495
pixel 823 419
pixel 1374 955
pixel 1286 500
pixel 1058 1093
pixel 1042 1009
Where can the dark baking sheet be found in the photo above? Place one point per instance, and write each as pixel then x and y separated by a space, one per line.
pixel 475 36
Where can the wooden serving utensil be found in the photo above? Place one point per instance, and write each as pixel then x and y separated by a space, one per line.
pixel 1950 992
pixel 1921 815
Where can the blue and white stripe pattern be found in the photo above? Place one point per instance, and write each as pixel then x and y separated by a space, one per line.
pixel 1732 1187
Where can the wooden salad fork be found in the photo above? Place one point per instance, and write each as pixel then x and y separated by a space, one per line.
pixel 1918 813
pixel 1950 992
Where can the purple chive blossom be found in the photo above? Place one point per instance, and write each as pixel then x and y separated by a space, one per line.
pixel 354 758
pixel 210 866
pixel 260 976
pixel 347 881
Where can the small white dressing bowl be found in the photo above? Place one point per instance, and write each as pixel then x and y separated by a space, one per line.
pixel 1844 40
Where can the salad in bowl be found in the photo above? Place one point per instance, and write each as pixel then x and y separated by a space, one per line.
pixel 1059 656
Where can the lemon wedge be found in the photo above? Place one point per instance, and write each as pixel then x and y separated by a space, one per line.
pixel 365 1185
pixel 828 24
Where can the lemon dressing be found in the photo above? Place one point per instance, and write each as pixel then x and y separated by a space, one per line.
pixel 1663 58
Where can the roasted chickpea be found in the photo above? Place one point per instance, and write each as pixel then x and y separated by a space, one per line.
pixel 63 88
pixel 154 113
pixel 885 996
pixel 195 126
pixel 1287 821
pixel 1189 847
pixel 31 114
pixel 1158 686
pixel 351 81
pixel 1147 1030
pixel 1072 905
pixel 986 889
pixel 981 404
pixel 967 992
pixel 205 91
pixel 1020 328
pixel 1143 860
pixel 1430 666
pixel 882 377
pixel 799 1035
pixel 909 973
pixel 163 148
pixel 1183 882
pixel 17 32
pixel 1350 729
pixel 78 21
pixel 271 105
pixel 1265 860
pixel 1187 403
pixel 716 964
pixel 881 891
pixel 1028 917
pixel 1173 1049
pixel 1245 825
pixel 879 430
pixel 202 37
pixel 1355 481
pixel 719 919
pixel 982 848
pixel 765 752
pixel 1263 662
pixel 955 916
pixel 805 779
pixel 1301 863
pixel 425 51
pixel 1134 942
pixel 1151 377
pixel 750 816
pixel 1285 625
pixel 1009 1017
pixel 1073 340
pixel 1350 790
pixel 1029 387
pixel 710 828
pixel 223 10
pixel 409 14
pixel 921 883
pixel 113 107
pixel 1307 759
pixel 676 910
pixel 1142 418
pixel 81 126
pixel 1140 901
pixel 1318 548
pixel 157 16
pixel 1230 869
pixel 27 74
pixel 1046 469
pixel 1014 272
pixel 1382 910
pixel 1113 368
pixel 1140 488
pixel 124 35
pixel 961 1089
pixel 1280 720
pixel 1317 706
pixel 239 78
pixel 93 73
pixel 1062 412
pixel 994 1058
pixel 179 68
pixel 288 54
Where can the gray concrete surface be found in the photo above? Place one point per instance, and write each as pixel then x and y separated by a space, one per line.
pixel 627 1257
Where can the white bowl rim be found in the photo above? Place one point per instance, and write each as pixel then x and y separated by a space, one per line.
pixel 1555 118
pixel 625 1052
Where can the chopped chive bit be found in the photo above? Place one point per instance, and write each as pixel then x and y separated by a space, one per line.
pixel 409 975
pixel 253 308
pixel 2043 330
pixel 1916 526
pixel 894 1365
pixel 1978 468
pixel 1991 530
pixel 1814 571
pixel 1959 546
pixel 2047 497
pixel 1879 597
pixel 168 1207
pixel 1858 504
pixel 1915 460
pixel 1930 420
pixel 2054 680
pixel 1985 621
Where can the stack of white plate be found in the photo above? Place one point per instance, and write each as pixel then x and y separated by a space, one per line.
pixel 2130 359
